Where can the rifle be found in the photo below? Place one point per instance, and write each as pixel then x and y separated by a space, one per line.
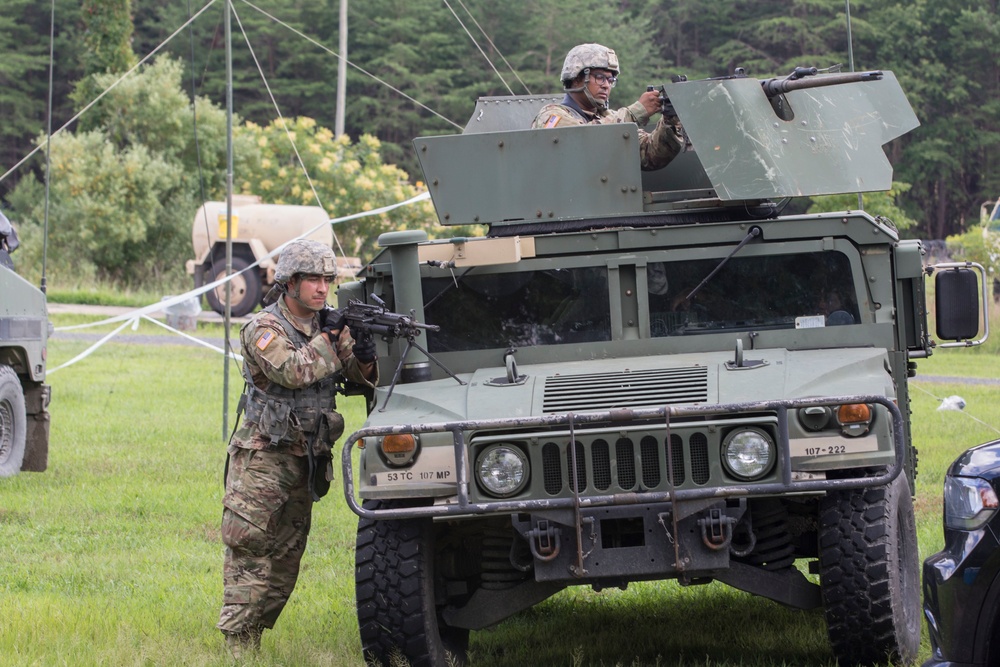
pixel 367 320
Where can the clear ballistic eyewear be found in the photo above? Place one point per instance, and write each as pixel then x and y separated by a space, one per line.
pixel 601 77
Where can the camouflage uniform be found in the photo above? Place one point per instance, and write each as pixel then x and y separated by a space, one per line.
pixel 268 503
pixel 656 148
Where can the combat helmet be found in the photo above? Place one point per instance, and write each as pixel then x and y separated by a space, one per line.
pixel 305 256
pixel 588 56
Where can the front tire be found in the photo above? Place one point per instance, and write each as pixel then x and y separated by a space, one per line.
pixel 398 615
pixel 869 574
pixel 13 423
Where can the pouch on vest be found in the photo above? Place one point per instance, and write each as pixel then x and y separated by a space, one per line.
pixel 322 475
pixel 276 421
pixel 334 427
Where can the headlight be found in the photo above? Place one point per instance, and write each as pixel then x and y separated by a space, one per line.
pixel 969 502
pixel 748 453
pixel 502 470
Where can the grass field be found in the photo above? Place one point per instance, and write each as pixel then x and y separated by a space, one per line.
pixel 113 556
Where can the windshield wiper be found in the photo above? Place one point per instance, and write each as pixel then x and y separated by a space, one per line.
pixel 751 235
pixel 455 280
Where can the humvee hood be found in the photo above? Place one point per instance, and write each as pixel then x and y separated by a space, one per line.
pixel 643 382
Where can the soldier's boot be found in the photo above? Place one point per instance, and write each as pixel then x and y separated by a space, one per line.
pixel 242 644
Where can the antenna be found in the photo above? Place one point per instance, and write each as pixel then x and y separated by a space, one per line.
pixel 850 40
pixel 48 150
pixel 850 65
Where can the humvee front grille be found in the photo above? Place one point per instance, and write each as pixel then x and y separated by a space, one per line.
pixel 631 463
pixel 627 389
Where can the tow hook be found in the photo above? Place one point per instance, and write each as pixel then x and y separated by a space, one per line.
pixel 544 541
pixel 716 529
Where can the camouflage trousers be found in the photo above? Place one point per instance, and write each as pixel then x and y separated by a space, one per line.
pixel 265 523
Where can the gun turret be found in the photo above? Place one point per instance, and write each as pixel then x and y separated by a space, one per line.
pixel 750 141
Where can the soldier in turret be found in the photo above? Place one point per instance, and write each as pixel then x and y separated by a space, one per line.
pixel 295 352
pixel 589 73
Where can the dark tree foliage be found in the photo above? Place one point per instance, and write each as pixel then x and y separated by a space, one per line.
pixel 107 36
pixel 24 74
pixel 107 40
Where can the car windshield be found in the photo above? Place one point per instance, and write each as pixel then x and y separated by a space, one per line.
pixel 573 305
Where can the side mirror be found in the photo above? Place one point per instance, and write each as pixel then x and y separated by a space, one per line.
pixel 957 298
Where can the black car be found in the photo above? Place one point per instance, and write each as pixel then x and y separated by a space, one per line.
pixel 962 582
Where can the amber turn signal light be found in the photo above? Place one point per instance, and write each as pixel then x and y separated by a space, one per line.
pixel 398 444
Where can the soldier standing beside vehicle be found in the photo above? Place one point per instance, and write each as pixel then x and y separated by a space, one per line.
pixel 589 73
pixel 295 351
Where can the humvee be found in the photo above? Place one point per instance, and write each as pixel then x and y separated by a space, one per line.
pixel 652 375
pixel 24 396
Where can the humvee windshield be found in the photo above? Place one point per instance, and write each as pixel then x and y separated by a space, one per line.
pixel 484 310
pixel 545 307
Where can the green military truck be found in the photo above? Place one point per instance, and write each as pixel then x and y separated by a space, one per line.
pixel 24 396
pixel 651 375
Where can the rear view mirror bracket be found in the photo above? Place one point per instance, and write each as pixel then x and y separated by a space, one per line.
pixel 957 297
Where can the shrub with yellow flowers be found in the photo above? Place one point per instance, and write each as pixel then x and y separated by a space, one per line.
pixel 300 162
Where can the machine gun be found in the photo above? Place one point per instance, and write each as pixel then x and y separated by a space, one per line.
pixel 800 78
pixel 666 108
pixel 804 77
pixel 367 320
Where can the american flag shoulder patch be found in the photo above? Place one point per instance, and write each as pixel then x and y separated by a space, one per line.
pixel 552 120
pixel 265 340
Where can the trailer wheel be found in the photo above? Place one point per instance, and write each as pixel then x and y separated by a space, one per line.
pixel 246 288
pixel 869 574
pixel 397 609
pixel 13 422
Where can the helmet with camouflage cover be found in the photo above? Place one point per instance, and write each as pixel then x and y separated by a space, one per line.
pixel 588 56
pixel 306 257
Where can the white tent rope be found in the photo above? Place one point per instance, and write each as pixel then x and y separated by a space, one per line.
pixel 916 386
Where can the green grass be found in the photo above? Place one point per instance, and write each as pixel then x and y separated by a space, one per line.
pixel 99 294
pixel 113 556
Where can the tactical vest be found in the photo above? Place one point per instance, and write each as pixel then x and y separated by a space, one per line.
pixel 577 110
pixel 285 414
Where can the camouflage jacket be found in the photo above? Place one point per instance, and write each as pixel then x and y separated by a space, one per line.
pixel 656 148
pixel 300 374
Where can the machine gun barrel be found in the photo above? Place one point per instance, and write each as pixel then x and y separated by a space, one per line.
pixel 803 77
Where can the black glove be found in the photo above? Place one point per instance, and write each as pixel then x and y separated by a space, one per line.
pixel 364 350
pixel 331 321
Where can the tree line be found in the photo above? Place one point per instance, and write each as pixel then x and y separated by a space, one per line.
pixel 416 70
